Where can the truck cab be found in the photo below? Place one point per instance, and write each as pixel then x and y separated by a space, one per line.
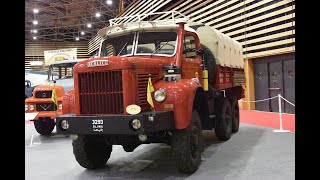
pixel 154 82
pixel 40 104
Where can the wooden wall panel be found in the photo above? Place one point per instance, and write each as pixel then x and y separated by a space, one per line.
pixel 263 27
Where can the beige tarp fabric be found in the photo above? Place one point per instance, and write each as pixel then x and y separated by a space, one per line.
pixel 228 52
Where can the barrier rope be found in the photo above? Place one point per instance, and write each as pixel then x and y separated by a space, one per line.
pixel 260 100
pixel 287 101
pixel 280 110
pixel 269 99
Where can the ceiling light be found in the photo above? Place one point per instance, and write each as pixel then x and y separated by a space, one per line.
pixel 82 33
pixel 77 38
pixel 89 25
pixel 109 2
pixel 35 22
pixel 98 14
pixel 35 31
pixel 35 10
pixel 34 37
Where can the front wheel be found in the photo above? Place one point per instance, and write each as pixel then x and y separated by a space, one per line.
pixel 91 152
pixel 130 147
pixel 44 126
pixel 187 145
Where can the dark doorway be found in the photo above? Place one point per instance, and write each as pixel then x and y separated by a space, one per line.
pixel 275 75
pixel 289 84
pixel 275 84
pixel 261 85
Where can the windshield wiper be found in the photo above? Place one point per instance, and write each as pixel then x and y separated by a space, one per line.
pixel 122 49
pixel 158 48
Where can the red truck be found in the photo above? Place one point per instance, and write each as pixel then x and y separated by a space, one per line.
pixel 154 82
pixel 40 105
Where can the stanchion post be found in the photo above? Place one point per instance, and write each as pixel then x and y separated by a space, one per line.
pixel 280 110
pixel 280 116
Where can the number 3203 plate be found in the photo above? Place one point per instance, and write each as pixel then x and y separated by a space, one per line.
pixel 97 125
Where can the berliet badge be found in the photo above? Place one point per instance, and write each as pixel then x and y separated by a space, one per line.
pixel 95 63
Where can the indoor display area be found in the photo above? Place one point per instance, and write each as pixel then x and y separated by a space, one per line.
pixel 160 89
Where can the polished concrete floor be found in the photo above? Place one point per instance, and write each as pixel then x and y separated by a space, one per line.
pixel 253 153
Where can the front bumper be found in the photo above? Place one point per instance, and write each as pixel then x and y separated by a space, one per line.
pixel 50 114
pixel 44 114
pixel 116 124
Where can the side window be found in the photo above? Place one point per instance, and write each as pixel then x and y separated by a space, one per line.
pixel 189 44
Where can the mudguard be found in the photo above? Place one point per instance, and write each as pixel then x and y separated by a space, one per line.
pixel 179 99
pixel 68 102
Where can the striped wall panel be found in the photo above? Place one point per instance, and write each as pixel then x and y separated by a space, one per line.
pixel 34 51
pixel 263 27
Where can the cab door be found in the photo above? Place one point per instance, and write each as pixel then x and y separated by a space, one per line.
pixel 192 63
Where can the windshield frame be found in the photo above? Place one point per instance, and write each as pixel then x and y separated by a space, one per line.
pixel 135 44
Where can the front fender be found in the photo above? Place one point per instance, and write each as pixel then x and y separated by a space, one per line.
pixel 68 102
pixel 179 99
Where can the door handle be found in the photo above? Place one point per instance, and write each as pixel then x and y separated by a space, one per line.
pixel 273 89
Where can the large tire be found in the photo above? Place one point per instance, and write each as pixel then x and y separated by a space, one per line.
pixel 235 114
pixel 91 152
pixel 44 126
pixel 223 122
pixel 130 147
pixel 187 145
pixel 210 63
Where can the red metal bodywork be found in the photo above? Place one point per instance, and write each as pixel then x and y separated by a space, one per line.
pixel 68 102
pixel 135 72
pixel 180 95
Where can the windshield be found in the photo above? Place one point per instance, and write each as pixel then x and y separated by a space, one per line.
pixel 149 43
pixel 157 43
pixel 121 45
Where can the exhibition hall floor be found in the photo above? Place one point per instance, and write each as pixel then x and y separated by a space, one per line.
pixel 254 152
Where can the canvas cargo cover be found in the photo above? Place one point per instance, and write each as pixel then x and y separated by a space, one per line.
pixel 227 51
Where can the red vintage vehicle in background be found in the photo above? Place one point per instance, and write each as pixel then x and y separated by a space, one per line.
pixel 40 104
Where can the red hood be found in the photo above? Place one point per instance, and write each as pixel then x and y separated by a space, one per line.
pixel 117 62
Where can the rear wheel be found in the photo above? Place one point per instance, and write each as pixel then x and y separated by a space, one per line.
pixel 91 152
pixel 44 126
pixel 223 122
pixel 235 114
pixel 187 145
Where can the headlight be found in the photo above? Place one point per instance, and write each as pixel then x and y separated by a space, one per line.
pixel 160 95
pixel 60 106
pixel 26 107
pixel 64 124
pixel 31 107
pixel 136 124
